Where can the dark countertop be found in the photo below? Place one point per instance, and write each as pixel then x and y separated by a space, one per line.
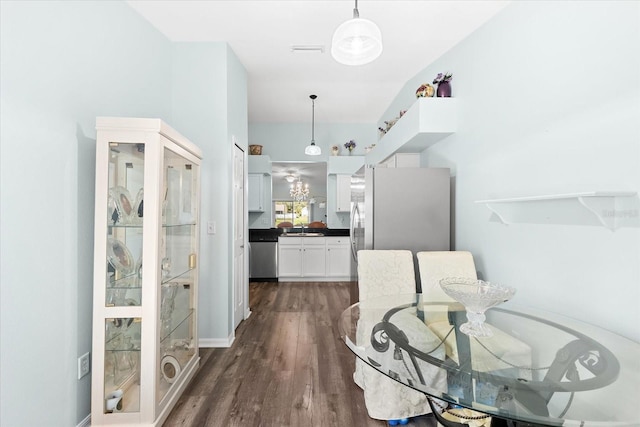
pixel 271 234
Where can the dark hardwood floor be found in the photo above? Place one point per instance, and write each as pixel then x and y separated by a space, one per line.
pixel 287 366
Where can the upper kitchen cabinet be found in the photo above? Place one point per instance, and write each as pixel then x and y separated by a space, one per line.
pixel 339 171
pixel 402 160
pixel 259 184
pixel 256 199
pixel 145 341
pixel 343 193
pixel 427 121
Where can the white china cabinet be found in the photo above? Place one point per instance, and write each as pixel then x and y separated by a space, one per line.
pixel 145 345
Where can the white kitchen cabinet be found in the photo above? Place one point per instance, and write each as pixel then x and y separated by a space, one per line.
pixel 338 257
pixel 145 341
pixel 290 257
pixel 343 193
pixel 313 257
pixel 301 257
pixel 256 202
pixel 402 160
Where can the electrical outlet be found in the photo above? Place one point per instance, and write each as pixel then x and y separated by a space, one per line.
pixel 84 366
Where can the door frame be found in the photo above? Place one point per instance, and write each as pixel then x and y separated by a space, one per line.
pixel 245 215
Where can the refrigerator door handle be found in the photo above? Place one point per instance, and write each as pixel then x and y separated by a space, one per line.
pixel 352 229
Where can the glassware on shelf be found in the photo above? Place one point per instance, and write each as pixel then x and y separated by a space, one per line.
pixel 119 257
pixel 166 267
pixel 167 305
pixel 138 210
pixel 125 212
pixel 114 401
pixel 477 296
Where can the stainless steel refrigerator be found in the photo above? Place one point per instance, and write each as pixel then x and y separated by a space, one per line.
pixel 400 208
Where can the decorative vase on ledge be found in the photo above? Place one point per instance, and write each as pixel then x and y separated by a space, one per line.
pixel 444 90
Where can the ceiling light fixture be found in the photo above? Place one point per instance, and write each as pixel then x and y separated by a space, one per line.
pixel 312 149
pixel 290 178
pixel 299 192
pixel 357 41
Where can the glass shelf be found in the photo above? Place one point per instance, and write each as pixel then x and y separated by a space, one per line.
pixel 124 282
pixel 123 334
pixel 184 278
pixel 182 224
pixel 173 326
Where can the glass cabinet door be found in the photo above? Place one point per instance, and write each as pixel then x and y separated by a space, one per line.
pixel 178 262
pixel 125 211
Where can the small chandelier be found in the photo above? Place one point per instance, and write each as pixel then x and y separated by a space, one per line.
pixel 298 191
pixel 357 41
pixel 312 149
pixel 290 178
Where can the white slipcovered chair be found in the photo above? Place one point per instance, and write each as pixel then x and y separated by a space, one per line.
pixel 382 273
pixel 502 351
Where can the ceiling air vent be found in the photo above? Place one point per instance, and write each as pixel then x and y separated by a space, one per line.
pixel 307 49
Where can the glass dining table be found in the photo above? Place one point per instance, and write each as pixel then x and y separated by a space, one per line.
pixel 538 368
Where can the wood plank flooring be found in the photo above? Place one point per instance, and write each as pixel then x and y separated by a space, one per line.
pixel 287 366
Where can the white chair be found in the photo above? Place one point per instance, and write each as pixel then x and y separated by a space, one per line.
pixel 382 273
pixel 501 351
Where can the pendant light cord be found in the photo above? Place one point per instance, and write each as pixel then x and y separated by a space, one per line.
pixel 356 14
pixel 313 119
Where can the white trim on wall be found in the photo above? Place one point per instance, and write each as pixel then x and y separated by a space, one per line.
pixel 217 342
pixel 86 422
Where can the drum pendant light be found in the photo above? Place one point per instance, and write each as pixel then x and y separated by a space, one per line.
pixel 357 41
pixel 312 149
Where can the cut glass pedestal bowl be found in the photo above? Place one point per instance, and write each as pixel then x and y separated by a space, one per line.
pixel 477 296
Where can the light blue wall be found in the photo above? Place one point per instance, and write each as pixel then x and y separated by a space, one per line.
pixel 199 110
pixel 549 104
pixel 210 107
pixel 63 64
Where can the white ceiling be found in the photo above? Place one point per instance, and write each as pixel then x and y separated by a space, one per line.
pixel 261 33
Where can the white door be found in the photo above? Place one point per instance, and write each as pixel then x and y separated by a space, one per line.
pixel 239 276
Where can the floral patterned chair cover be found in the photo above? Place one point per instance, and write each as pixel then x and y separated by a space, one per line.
pixel 436 265
pixel 389 272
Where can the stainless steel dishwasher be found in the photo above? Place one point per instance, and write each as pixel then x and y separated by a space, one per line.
pixel 263 255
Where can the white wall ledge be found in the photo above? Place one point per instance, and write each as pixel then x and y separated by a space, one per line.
pixel 610 209
pixel 426 122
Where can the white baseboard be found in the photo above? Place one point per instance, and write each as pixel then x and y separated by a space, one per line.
pixel 86 422
pixel 216 342
pixel 315 279
pixel 247 313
